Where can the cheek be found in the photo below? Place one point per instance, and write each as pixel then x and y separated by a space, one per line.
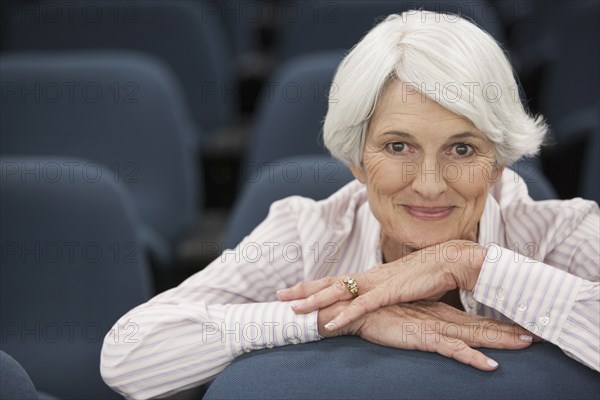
pixel 384 175
pixel 472 185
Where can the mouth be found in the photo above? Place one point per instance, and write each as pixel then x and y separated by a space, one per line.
pixel 429 213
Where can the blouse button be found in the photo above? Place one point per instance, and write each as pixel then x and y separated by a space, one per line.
pixel 270 345
pixel 500 294
pixel 544 319
pixel 294 340
pixel 522 306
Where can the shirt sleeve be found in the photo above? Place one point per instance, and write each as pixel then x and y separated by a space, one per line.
pixel 558 299
pixel 187 335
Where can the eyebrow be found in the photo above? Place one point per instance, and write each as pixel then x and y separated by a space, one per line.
pixel 462 135
pixel 466 134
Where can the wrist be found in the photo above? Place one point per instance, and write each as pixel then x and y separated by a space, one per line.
pixel 472 264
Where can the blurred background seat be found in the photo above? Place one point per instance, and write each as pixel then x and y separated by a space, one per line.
pixel 16 383
pixel 185 35
pixel 310 26
pixel 313 176
pixel 72 264
pixel 538 185
pixel 122 110
pixel 557 56
pixel 290 116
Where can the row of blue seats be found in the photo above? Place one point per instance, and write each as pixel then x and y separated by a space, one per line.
pixel 198 51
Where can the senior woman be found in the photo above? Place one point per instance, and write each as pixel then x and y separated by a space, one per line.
pixel 434 235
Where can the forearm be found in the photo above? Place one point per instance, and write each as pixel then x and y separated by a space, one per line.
pixel 580 336
pixel 557 306
pixel 157 349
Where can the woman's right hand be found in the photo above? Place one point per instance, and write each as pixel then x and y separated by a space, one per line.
pixel 438 327
pixel 426 274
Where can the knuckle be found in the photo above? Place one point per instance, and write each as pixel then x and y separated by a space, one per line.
pixel 361 305
pixel 477 332
pixel 339 285
pixel 380 297
pixel 458 348
pixel 329 280
pixel 300 287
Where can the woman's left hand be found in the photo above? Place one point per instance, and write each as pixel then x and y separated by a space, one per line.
pixel 426 274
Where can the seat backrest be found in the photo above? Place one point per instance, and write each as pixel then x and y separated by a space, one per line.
pixel 292 109
pixel 186 35
pixel 538 186
pixel 16 384
pixel 313 176
pixel 71 266
pixel 338 25
pixel 590 184
pixel 121 110
pixel 571 86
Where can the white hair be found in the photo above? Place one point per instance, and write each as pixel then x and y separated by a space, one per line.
pixel 444 57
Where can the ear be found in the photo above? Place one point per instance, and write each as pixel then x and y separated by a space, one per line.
pixel 359 173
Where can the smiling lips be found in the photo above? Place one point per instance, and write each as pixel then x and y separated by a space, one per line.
pixel 429 213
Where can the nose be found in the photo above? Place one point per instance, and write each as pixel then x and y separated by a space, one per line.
pixel 429 182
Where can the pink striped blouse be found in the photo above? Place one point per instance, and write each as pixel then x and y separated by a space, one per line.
pixel 541 271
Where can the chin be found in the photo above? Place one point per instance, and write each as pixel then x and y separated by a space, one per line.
pixel 422 240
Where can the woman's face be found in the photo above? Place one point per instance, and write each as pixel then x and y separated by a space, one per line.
pixel 427 171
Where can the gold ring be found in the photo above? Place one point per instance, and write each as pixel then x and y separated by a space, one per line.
pixel 351 285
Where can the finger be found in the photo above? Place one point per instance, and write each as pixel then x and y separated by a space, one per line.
pixel 460 351
pixel 362 305
pixel 326 297
pixel 482 331
pixel 488 333
pixel 304 289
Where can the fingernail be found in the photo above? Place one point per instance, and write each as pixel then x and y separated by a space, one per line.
pixel 526 338
pixel 492 363
pixel 329 326
pixel 296 303
pixel 281 291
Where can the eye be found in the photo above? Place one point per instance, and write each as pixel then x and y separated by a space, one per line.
pixel 397 147
pixel 462 149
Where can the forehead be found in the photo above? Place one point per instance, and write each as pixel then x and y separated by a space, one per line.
pixel 401 102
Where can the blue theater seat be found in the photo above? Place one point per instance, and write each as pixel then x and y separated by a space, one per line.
pixel 122 110
pixel 314 176
pixel 72 264
pixel 351 368
pixel 16 384
pixel 292 109
pixel 338 25
pixel 186 35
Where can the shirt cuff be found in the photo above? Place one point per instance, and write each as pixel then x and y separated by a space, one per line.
pixel 535 295
pixel 257 326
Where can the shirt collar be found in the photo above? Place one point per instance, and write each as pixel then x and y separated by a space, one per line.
pixel 491 225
